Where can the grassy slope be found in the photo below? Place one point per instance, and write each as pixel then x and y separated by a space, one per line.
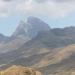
pixel 19 70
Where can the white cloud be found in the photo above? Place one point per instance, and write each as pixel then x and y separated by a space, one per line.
pixel 50 8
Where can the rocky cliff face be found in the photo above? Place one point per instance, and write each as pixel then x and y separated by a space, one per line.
pixel 37 25
pixel 22 29
pixel 31 28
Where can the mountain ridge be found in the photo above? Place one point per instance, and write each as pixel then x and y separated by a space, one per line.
pixel 23 33
pixel 45 42
pixel 32 27
pixel 50 51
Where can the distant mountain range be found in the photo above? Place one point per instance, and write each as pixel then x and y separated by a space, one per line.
pixel 51 51
pixel 23 33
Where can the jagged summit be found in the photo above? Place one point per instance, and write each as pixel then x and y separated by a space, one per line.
pixel 2 37
pixel 22 21
pixel 21 25
pixel 31 28
pixel 23 33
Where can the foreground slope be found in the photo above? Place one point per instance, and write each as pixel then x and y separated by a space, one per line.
pixel 59 61
pixel 18 70
pixel 50 52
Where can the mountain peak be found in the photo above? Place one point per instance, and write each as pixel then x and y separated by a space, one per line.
pixel 32 27
pixel 31 19
pixel 22 22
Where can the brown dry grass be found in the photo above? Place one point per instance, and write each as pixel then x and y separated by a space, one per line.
pixel 18 70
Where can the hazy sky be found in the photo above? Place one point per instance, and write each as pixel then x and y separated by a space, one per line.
pixel 57 13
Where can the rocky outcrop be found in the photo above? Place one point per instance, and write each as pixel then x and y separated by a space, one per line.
pixel 19 70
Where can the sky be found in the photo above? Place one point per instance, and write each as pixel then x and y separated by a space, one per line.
pixel 57 13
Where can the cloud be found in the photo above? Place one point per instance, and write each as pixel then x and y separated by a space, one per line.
pixel 63 0
pixel 40 1
pixel 7 0
pixel 50 8
pixel 54 0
